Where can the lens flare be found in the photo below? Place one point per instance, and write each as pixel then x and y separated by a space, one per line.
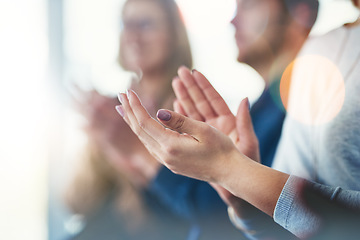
pixel 316 88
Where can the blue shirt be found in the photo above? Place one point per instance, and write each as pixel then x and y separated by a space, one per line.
pixel 197 202
pixel 268 115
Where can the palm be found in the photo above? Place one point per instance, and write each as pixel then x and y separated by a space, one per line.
pixel 226 124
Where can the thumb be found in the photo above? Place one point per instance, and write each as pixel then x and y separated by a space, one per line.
pixel 248 140
pixel 178 122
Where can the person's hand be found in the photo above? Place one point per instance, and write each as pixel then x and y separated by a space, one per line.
pixel 188 147
pixel 140 167
pixel 109 133
pixel 103 125
pixel 197 99
pixel 198 150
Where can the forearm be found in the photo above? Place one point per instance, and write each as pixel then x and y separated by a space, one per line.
pixel 254 223
pixel 257 184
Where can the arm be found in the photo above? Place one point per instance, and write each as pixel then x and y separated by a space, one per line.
pixel 200 151
pixel 212 109
pixel 305 207
pixel 198 99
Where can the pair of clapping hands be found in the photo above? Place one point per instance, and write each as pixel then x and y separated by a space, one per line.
pixel 113 138
pixel 202 139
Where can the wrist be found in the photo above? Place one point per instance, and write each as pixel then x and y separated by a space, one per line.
pixel 255 183
pixel 230 170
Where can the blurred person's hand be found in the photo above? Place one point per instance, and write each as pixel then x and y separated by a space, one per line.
pixel 114 138
pixel 101 121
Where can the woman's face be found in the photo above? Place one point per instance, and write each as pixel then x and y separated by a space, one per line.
pixel 145 36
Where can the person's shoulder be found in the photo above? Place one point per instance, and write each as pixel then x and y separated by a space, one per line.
pixel 334 33
pixel 325 44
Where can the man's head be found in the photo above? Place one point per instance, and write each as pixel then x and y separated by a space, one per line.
pixel 263 26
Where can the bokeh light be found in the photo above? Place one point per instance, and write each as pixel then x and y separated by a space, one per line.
pixel 317 90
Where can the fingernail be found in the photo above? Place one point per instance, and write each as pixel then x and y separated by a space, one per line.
pixel 163 115
pixel 120 110
pixel 192 71
pixel 120 98
pixel 128 93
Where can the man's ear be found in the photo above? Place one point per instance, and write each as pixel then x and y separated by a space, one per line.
pixel 302 14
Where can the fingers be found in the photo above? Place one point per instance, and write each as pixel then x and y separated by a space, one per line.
pixel 179 123
pixel 195 93
pixel 126 111
pixel 247 138
pixel 217 103
pixel 178 108
pixel 160 141
pixel 197 96
pixel 149 130
pixel 80 99
pixel 187 103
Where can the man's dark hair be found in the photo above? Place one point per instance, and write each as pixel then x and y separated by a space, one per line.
pixel 313 6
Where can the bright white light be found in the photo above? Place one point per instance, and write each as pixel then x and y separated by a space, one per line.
pixel 343 10
pixel 23 48
pixel 214 50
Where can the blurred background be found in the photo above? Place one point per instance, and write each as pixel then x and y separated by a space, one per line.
pixel 45 47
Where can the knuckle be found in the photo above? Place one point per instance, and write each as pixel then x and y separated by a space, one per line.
pixel 143 123
pixel 171 151
pixel 179 123
pixel 137 131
